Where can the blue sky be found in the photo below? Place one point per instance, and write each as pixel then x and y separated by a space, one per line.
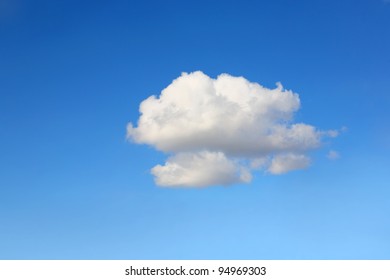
pixel 73 73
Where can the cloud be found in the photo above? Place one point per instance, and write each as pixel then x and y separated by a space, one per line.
pixel 333 155
pixel 200 170
pixel 219 129
pixel 284 163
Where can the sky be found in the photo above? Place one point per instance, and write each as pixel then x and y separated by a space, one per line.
pixel 77 182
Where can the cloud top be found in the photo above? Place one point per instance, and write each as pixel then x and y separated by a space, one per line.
pixel 215 127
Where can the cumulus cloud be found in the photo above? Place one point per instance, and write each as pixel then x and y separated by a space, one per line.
pixel 199 170
pixel 219 129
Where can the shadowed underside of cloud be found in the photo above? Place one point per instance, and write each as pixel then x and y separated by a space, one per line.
pixel 220 129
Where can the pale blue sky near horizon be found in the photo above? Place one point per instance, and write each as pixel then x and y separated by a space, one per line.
pixel 73 73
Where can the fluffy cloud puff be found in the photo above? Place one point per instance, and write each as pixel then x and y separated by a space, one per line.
pixel 219 129
pixel 200 170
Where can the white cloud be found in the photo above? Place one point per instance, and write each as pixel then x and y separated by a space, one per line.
pixel 199 170
pixel 333 133
pixel 225 122
pixel 333 155
pixel 287 162
pixel 259 163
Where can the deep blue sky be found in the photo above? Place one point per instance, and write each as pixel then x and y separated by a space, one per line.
pixel 72 74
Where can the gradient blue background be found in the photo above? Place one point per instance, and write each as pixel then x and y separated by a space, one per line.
pixel 72 74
